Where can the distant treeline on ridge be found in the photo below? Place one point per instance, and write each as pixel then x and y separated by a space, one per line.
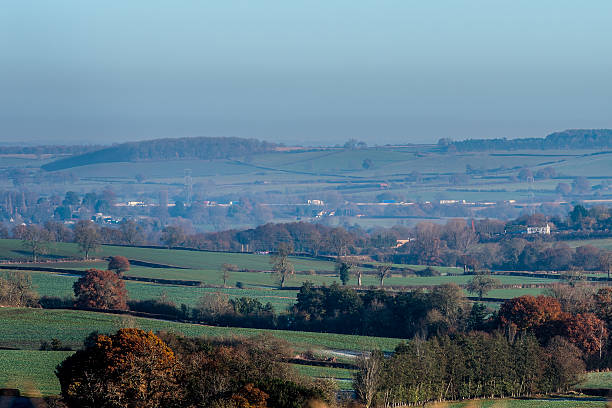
pixel 167 149
pixel 567 139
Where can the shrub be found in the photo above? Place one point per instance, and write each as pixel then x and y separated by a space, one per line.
pixel 427 272
pixel 55 302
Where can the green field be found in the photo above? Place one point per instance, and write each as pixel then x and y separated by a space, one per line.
pixel 25 328
pixel 60 285
pixel 603 243
pixel 196 260
pixel 600 379
pixel 31 371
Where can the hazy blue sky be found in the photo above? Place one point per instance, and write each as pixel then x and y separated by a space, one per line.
pixel 302 71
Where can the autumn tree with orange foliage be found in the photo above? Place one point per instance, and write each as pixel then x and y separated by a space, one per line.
pixel 118 264
pixel 249 397
pixel 101 290
pixel 603 305
pixel 529 312
pixel 587 332
pixel 131 368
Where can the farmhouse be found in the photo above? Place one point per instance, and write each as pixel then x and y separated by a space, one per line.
pixel 539 230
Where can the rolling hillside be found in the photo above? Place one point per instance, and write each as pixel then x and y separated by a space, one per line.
pixel 166 149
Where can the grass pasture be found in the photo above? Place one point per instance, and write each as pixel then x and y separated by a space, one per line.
pixel 31 371
pixel 25 328
pixel 600 379
pixel 602 243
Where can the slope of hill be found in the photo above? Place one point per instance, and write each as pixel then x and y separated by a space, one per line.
pixel 166 149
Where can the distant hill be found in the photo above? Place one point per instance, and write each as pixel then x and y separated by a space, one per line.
pixel 166 149
pixel 48 149
pixel 567 139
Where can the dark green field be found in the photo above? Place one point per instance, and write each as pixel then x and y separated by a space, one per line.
pixel 25 328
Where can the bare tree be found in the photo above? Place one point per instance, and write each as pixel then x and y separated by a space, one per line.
pixel 87 236
pixel 458 235
pixel 173 235
pixel 36 240
pixel 211 306
pixel 226 268
pixel 131 231
pixel 605 262
pixel 338 240
pixel 281 265
pixel 383 271
pixel 366 380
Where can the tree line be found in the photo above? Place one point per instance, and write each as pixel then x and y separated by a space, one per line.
pixel 467 366
pixel 567 139
pixel 488 244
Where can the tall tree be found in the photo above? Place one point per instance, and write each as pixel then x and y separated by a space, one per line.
pixel 226 268
pixel 481 284
pixel 87 236
pixel 368 377
pixel 36 240
pixel 281 265
pixel 383 271
pixel 173 235
pixel 605 262
pixel 343 268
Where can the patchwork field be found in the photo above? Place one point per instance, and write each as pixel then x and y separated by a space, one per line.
pixel 254 277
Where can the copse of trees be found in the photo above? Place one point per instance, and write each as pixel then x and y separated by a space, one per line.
pixel 544 317
pixel 134 368
pixel 467 366
pixel 380 313
pixel 219 309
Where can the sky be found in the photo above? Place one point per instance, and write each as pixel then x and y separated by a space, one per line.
pixel 302 72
